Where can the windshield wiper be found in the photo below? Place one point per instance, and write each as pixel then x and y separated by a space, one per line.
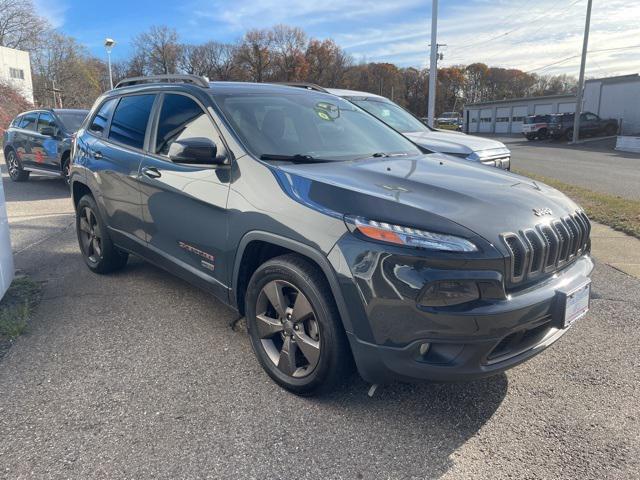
pixel 297 158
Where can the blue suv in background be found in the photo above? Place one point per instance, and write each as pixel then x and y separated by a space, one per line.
pixel 40 141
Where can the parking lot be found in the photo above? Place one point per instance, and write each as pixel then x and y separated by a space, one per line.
pixel 139 374
pixel 594 165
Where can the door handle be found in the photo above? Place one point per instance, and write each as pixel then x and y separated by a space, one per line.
pixel 151 172
pixel 97 155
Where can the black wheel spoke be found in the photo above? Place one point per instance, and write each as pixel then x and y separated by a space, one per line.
pixel 84 226
pixel 273 290
pixel 301 308
pixel 287 360
pixel 268 327
pixel 310 348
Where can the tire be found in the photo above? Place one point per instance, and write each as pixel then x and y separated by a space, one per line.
pixel 568 135
pixel 14 166
pixel 98 251
pixel 66 169
pixel 530 137
pixel 311 320
pixel 543 134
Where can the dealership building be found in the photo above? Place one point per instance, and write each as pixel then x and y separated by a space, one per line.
pixel 15 70
pixel 613 97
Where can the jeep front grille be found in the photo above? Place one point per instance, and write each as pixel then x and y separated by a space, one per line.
pixel 547 247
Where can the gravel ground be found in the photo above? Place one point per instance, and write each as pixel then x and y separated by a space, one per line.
pixel 138 375
pixel 594 165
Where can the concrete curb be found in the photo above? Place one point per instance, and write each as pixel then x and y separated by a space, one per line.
pixel 616 249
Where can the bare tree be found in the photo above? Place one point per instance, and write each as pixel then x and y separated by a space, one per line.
pixel 20 26
pixel 213 60
pixel 159 49
pixel 326 62
pixel 61 63
pixel 289 44
pixel 254 55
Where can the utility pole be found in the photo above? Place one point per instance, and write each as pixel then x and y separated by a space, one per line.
pixel 433 68
pixel 579 93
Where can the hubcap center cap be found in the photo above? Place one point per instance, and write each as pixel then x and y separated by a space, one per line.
pixel 288 327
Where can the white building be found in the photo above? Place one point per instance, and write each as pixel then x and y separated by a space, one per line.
pixel 613 97
pixel 15 69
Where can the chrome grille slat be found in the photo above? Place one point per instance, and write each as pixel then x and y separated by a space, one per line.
pixel 547 247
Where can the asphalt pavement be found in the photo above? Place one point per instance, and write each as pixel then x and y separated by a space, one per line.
pixel 139 375
pixel 594 165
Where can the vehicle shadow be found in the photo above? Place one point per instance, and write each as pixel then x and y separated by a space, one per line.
pixel 38 187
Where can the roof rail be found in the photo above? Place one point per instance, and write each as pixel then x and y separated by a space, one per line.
pixel 308 86
pixel 169 78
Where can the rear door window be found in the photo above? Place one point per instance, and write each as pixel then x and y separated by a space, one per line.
pixel 101 119
pixel 130 120
pixel 28 121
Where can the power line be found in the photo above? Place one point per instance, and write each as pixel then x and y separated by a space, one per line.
pixel 528 23
pixel 566 59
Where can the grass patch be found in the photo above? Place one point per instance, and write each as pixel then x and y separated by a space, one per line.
pixel 616 212
pixel 16 307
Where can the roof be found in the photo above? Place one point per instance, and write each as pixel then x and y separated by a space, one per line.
pixel 634 77
pixel 521 99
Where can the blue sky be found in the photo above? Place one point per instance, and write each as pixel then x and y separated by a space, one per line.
pixel 497 32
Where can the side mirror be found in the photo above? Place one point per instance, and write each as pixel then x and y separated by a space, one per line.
pixel 48 131
pixel 202 151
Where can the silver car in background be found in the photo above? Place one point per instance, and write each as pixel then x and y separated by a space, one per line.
pixel 475 149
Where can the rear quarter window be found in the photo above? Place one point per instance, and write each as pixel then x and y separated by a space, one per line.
pixel 100 120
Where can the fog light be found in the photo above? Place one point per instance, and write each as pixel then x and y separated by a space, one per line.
pixel 424 349
pixel 445 293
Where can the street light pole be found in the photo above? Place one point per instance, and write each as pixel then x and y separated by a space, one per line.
pixel 579 93
pixel 433 68
pixel 109 43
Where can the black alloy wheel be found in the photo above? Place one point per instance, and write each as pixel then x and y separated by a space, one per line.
pixel 288 328
pixel 16 173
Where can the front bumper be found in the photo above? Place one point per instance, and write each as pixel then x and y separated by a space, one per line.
pixel 465 342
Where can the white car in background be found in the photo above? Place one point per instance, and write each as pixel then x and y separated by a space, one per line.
pixel 475 149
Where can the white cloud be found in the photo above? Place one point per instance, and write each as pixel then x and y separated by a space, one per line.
pixel 502 34
pixel 52 10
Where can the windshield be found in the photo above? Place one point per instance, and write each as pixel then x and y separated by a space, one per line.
pixel 393 115
pixel 308 124
pixel 71 121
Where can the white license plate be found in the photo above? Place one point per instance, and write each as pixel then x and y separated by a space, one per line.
pixel 577 304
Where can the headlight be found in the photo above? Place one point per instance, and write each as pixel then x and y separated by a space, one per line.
pixel 411 237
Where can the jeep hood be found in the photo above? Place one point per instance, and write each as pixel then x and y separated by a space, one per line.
pixel 429 191
pixel 453 142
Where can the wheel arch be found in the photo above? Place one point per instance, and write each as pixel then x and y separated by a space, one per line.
pixel 65 155
pixel 249 256
pixel 79 190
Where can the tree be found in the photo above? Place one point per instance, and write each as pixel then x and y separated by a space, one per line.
pixel 254 55
pixel 159 50
pixel 213 60
pixel 61 63
pixel 326 62
pixel 288 45
pixel 20 26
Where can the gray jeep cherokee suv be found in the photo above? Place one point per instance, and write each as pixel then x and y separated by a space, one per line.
pixel 340 241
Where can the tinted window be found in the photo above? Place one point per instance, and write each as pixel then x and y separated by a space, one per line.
pixel 130 120
pixel 46 120
pixel 309 123
pixel 182 118
pixel 100 120
pixel 28 121
pixel 16 121
pixel 71 120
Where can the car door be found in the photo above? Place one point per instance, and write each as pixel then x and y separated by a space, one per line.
pixel 588 124
pixel 23 138
pixel 184 206
pixel 114 157
pixel 46 143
